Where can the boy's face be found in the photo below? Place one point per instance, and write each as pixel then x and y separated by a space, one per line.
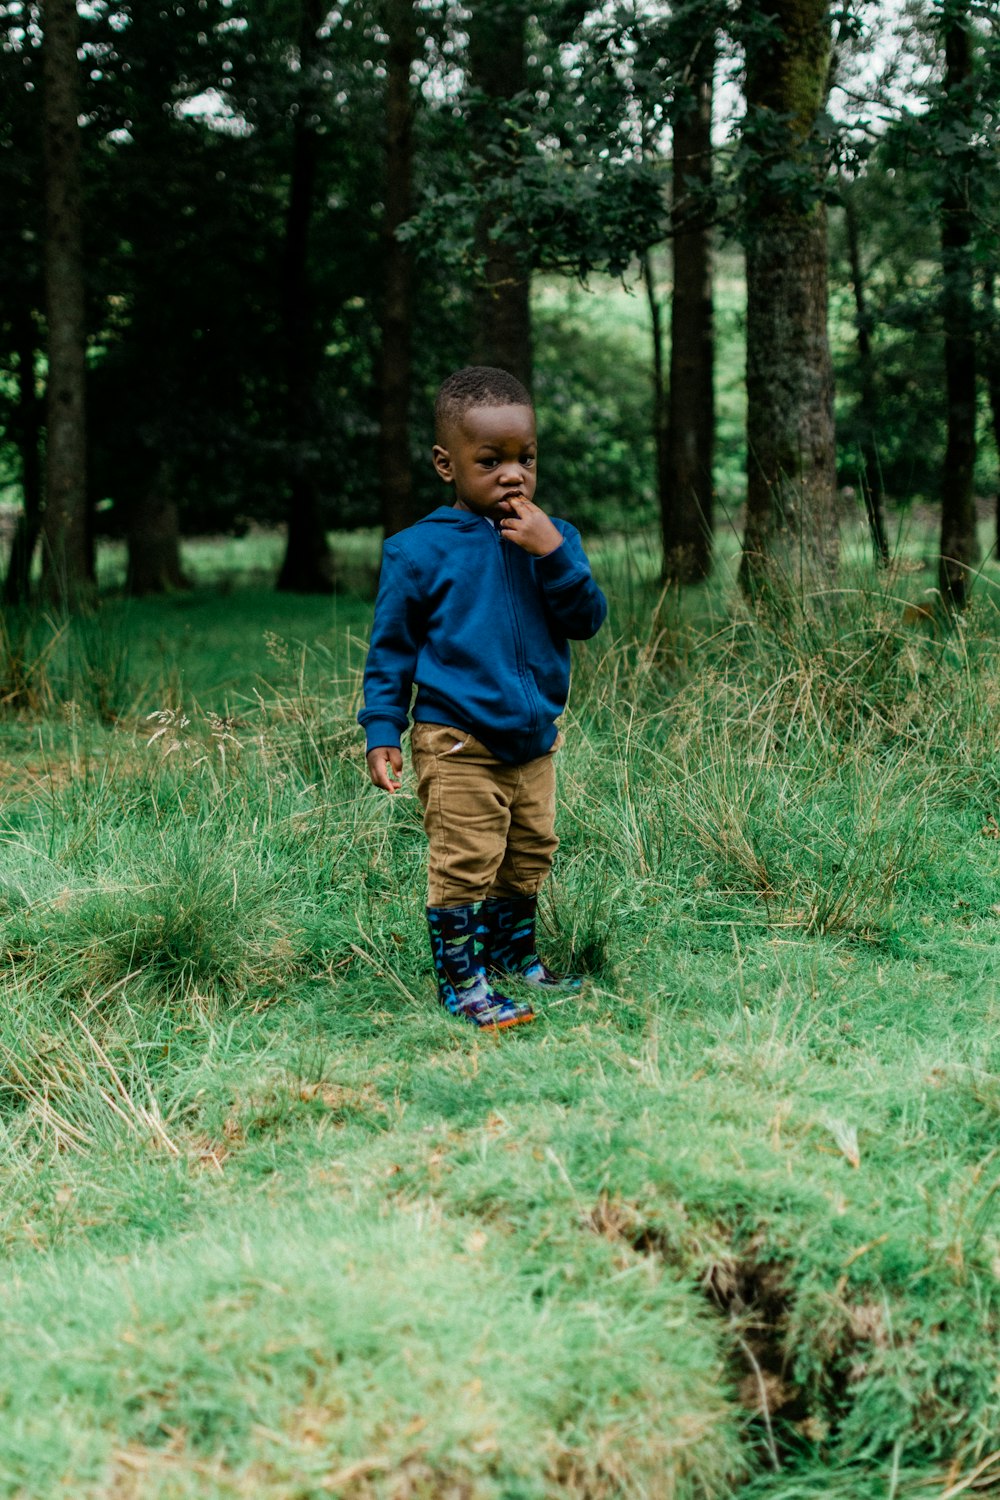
pixel 491 454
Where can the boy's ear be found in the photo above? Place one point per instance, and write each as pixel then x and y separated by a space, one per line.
pixel 442 463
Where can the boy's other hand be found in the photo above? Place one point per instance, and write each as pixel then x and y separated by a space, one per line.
pixel 530 528
pixel 385 767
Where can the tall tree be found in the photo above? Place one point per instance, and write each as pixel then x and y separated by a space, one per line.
pixel 959 543
pixel 791 535
pixel 139 399
pixel 686 485
pixel 307 565
pixel 661 403
pixel 153 536
pixel 395 465
pixel 28 434
pixel 68 570
pixel 991 367
pixel 502 294
pixel 22 289
pixel 869 469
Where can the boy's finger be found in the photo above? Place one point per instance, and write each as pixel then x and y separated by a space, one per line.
pixel 385 769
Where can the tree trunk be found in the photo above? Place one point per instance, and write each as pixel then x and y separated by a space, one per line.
pixel 395 464
pixel 17 583
pixel 686 496
pixel 991 365
pixel 791 539
pixel 308 565
pixel 659 386
pixel 870 473
pixel 68 571
pixel 959 542
pixel 502 306
pixel 502 296
pixel 153 539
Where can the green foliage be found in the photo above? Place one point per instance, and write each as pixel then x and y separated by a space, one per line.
pixel 554 166
pixel 592 391
pixel 936 151
pixel 902 289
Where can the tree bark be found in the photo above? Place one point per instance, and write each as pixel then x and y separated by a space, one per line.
pixel 991 366
pixel 502 306
pixel 17 582
pixel 959 542
pixel 791 539
pixel 307 567
pixel 870 475
pixel 502 296
pixel 68 571
pixel 153 539
pixel 395 466
pixel 659 386
pixel 686 494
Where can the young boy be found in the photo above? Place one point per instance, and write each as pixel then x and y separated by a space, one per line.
pixel 476 605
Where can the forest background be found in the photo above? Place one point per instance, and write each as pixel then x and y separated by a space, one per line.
pixel 726 1223
pixel 268 232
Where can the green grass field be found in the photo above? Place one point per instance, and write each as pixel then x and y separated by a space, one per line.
pixel 724 1225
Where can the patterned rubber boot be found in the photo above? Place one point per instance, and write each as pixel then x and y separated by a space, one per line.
pixel 458 939
pixel 510 921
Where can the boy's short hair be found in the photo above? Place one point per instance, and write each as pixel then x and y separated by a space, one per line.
pixel 476 385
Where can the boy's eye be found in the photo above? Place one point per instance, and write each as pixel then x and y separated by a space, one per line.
pixel 528 460
pixel 488 463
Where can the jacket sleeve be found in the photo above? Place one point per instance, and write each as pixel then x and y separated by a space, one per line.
pixel 572 597
pixel 397 634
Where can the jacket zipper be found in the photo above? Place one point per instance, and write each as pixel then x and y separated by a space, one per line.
pixel 519 652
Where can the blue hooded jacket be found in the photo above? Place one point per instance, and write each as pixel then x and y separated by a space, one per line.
pixel 483 629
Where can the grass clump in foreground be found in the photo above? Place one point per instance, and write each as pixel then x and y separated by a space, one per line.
pixel 723 1225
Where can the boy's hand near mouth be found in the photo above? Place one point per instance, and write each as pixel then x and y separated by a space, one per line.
pixel 529 528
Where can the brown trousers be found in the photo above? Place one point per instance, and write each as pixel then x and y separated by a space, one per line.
pixel 490 825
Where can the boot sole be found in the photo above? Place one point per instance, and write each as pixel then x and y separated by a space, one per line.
pixel 504 1025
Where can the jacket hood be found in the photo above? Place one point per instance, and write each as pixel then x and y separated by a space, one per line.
pixel 448 515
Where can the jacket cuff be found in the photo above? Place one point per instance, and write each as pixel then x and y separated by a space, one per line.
pixel 379 732
pixel 561 566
